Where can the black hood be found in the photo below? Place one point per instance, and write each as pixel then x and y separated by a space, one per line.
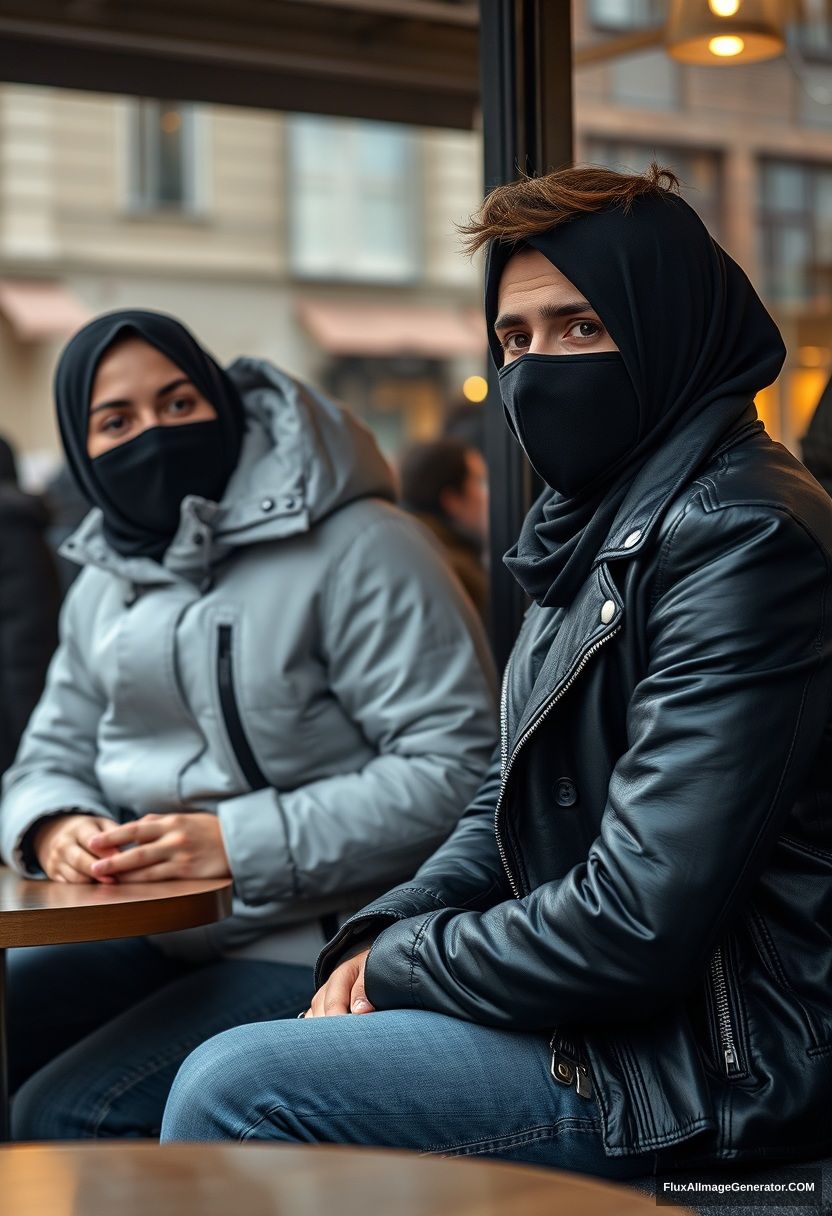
pixel 695 339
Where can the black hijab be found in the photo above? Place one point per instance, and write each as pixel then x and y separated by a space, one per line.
pixel 73 389
pixel 697 344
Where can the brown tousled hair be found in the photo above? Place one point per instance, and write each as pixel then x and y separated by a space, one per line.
pixel 535 204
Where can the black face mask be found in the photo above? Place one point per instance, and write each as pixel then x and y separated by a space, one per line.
pixel 139 485
pixel 576 416
pixel 147 478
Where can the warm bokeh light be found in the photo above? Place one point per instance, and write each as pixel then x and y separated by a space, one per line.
pixel 813 356
pixel 475 388
pixel 171 122
pixel 724 8
pixel 726 46
pixel 806 387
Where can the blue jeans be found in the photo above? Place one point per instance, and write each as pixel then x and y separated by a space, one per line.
pixel 98 1030
pixel 399 1079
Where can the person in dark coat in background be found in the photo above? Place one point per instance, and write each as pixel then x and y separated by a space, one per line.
pixel 816 444
pixel 29 603
pixel 444 483
pixel 67 510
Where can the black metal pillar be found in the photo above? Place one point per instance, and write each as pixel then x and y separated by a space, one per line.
pixel 526 74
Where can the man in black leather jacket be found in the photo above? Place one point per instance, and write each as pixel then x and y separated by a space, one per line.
pixel 629 933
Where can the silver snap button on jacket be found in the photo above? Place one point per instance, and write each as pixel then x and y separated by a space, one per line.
pixel 607 612
pixel 632 539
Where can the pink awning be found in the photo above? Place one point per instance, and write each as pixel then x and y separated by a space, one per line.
pixel 37 309
pixel 360 327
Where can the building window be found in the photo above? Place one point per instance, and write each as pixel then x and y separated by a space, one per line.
pixel 646 79
pixel 626 14
pixel 162 152
pixel 354 200
pixel 699 172
pixel 795 210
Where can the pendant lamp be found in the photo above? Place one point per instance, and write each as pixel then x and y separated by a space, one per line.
pixel 725 31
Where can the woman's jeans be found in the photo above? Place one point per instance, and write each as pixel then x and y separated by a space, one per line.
pixel 404 1079
pixel 98 1030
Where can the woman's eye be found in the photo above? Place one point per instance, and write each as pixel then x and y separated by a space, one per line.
pixel 585 329
pixel 180 405
pixel 114 423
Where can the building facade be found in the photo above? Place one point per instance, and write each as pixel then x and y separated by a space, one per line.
pixel 329 245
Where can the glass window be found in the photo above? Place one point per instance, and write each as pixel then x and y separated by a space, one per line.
pixel 795 204
pixel 700 172
pixel 625 14
pixel 162 160
pixel 353 200
pixel 649 79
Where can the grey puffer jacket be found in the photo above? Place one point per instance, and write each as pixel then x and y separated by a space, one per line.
pixel 302 664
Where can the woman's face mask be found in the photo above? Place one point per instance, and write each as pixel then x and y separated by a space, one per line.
pixel 153 438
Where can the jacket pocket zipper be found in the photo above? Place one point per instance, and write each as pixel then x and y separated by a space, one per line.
pixel 568 1066
pixel 724 1021
pixel 231 712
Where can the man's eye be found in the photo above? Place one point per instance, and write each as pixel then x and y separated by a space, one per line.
pixel 515 342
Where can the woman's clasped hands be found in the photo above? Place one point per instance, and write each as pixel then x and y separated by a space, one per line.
pixel 87 848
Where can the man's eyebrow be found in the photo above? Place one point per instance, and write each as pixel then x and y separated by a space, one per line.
pixel 546 312
pixel 123 403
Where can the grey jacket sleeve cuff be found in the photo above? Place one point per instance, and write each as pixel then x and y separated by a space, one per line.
pixel 254 834
pixel 19 822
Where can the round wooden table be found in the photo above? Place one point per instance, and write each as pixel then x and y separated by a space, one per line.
pixel 52 913
pixel 269 1180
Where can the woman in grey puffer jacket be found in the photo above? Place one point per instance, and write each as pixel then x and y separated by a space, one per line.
pixel 265 671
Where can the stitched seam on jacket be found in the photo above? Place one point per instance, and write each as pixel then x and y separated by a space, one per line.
pixel 414 947
pixel 638 1094
pixel 293 866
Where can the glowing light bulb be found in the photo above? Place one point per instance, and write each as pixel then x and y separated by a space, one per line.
pixel 726 46
pixel 724 8
pixel 475 388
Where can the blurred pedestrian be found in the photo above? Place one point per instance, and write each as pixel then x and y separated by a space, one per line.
pixel 265 673
pixel 29 602
pixel 445 485
pixel 816 444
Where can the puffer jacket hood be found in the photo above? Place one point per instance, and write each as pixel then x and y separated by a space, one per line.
pixel 303 457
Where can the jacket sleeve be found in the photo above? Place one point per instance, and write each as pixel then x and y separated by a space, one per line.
pixel 407 659
pixel 464 872
pixel 722 730
pixel 55 766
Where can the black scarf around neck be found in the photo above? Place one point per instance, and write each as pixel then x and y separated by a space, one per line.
pixel 74 378
pixel 697 343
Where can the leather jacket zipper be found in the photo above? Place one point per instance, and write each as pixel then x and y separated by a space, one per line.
pixel 722 1006
pixel 507 763
pixel 231 712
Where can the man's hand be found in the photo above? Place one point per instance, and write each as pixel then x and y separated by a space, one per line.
pixel 62 845
pixel 181 845
pixel 344 991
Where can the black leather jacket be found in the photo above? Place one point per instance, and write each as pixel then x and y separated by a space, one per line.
pixel 658 891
